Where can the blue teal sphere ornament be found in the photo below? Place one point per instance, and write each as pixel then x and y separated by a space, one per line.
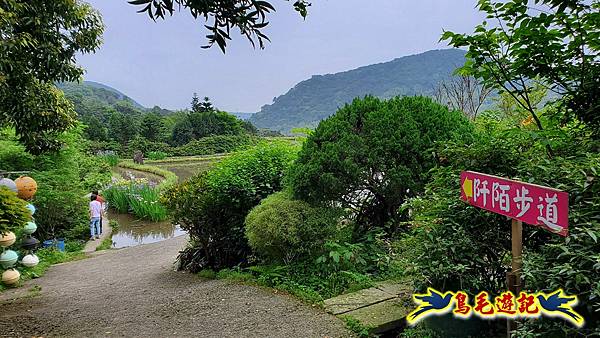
pixel 8 258
pixel 30 228
pixel 31 208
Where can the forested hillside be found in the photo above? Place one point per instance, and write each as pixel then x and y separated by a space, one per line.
pixel 319 97
pixel 89 93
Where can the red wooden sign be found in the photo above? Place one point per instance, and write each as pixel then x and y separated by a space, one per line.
pixel 529 203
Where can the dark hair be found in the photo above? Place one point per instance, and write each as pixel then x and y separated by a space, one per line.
pixel 95 192
pixel 93 197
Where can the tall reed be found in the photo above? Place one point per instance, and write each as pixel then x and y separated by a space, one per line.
pixel 136 197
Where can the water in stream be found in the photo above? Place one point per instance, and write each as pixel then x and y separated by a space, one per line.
pixel 132 232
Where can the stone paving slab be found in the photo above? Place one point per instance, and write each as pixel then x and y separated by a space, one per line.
pixel 381 308
pixel 382 317
pixel 352 301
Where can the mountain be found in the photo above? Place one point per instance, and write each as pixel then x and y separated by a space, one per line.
pixel 315 99
pixel 95 91
pixel 242 116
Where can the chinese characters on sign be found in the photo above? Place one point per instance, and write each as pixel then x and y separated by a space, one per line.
pixel 529 203
pixel 505 305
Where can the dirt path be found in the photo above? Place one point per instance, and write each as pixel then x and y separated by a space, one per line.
pixel 135 292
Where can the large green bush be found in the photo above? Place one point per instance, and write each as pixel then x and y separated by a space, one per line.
pixel 13 156
pixel 455 246
pixel 214 145
pixel 283 230
pixel 212 206
pixel 373 154
pixel 13 213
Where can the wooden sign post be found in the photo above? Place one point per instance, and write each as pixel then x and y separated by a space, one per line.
pixel 521 202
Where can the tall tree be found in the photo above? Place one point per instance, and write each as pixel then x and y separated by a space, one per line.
pixel 122 128
pixel 40 40
pixel 151 126
pixel 464 93
pixel 248 16
pixel 206 105
pixel 553 42
pixel 195 103
pixel 95 130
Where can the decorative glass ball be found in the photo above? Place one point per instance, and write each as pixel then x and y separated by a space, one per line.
pixel 11 277
pixel 8 258
pixel 30 260
pixel 30 228
pixel 10 184
pixel 7 239
pixel 30 243
pixel 26 187
pixel 31 208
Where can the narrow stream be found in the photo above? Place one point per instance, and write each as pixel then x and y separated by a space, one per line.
pixel 133 232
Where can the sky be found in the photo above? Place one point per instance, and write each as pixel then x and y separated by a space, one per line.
pixel 162 63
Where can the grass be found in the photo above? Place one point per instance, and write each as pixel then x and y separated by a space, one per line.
pixel 118 198
pixel 356 326
pixel 189 159
pixel 170 178
pixel 112 160
pixel 114 224
pixel 138 198
pixel 237 275
pixel 145 203
pixel 105 245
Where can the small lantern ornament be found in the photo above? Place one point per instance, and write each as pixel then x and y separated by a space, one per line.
pixel 10 184
pixel 8 258
pixel 7 239
pixel 31 208
pixel 30 260
pixel 11 277
pixel 30 243
pixel 26 187
pixel 30 228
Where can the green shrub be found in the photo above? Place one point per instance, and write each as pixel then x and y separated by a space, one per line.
pixel 94 172
pixel 282 230
pixel 212 206
pixel 214 145
pixel 13 213
pixel 462 247
pixel 147 147
pixel 156 155
pixel 373 154
pixel 13 156
pixel 111 159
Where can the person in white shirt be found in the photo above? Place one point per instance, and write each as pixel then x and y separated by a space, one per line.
pixel 95 215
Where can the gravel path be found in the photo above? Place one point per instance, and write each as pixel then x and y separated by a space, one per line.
pixel 135 292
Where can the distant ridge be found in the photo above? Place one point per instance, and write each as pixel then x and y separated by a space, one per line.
pixel 100 91
pixel 312 100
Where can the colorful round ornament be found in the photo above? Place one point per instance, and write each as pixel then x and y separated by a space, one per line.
pixel 30 228
pixel 8 258
pixel 10 184
pixel 11 277
pixel 31 208
pixel 30 260
pixel 7 239
pixel 26 187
